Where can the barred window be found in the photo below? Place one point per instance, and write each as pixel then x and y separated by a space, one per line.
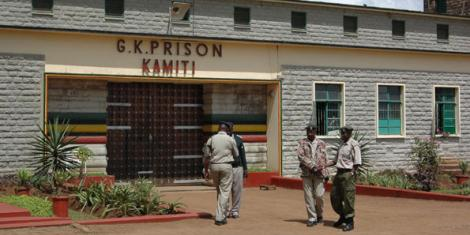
pixel 350 24
pixel 43 5
pixel 390 110
pixel 328 101
pixel 398 28
pixel 442 32
pixel 446 110
pixel 299 20
pixel 241 16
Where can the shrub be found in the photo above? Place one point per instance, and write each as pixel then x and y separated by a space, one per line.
pixel 39 207
pixel 426 163
pixel 463 165
pixel 83 154
pixel 389 179
pixel 23 178
pixel 53 152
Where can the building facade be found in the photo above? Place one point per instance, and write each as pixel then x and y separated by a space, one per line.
pixel 144 83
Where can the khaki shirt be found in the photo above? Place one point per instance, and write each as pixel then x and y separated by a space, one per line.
pixel 312 157
pixel 349 154
pixel 220 148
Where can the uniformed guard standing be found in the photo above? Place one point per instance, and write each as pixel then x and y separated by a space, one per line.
pixel 311 152
pixel 219 153
pixel 240 171
pixel 347 160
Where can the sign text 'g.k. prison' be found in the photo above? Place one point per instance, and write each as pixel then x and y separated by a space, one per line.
pixel 168 58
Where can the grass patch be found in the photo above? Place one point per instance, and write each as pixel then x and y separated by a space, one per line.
pixel 456 191
pixel 257 169
pixel 77 215
pixel 39 207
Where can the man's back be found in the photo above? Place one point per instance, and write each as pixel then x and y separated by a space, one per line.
pixel 221 148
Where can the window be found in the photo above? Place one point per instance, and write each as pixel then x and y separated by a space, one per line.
pixel 442 32
pixel 329 108
pixel 350 24
pixel 390 120
pixel 43 5
pixel 241 16
pixel 441 6
pixel 299 20
pixel 114 7
pixel 446 110
pixel 398 28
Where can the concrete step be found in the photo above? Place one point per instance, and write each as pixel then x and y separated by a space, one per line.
pixel 12 211
pixel 37 224
pixel 27 219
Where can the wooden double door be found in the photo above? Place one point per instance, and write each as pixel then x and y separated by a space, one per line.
pixel 155 131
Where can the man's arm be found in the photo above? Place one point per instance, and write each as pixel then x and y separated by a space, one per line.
pixel 302 156
pixel 242 156
pixel 357 157
pixel 234 148
pixel 207 151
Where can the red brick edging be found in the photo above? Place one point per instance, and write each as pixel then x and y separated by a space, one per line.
pixel 295 183
pixel 147 219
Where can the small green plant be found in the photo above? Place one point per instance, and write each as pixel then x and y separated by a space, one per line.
pixel 389 179
pixel 364 146
pixel 39 207
pixel 426 162
pixel 83 154
pixel 24 178
pixel 59 179
pixel 463 165
pixel 53 150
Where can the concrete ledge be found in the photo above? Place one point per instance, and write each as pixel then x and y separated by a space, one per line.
pixel 147 219
pixel 296 183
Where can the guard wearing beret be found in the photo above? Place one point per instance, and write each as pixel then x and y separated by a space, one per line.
pixel 311 152
pixel 347 161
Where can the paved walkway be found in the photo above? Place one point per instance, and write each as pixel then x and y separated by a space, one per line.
pixel 282 212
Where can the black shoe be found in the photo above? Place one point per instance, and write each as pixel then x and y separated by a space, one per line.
pixel 340 223
pixel 320 220
pixel 311 223
pixel 219 223
pixel 348 227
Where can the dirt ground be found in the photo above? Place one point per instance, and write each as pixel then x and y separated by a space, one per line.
pixel 282 212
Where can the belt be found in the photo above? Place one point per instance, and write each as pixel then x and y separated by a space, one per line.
pixel 219 163
pixel 342 170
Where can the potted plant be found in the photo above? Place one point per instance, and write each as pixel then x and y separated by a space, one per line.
pixel 60 201
pixel 53 149
pixel 461 179
pixel 23 178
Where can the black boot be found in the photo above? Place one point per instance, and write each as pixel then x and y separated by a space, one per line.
pixel 339 223
pixel 349 225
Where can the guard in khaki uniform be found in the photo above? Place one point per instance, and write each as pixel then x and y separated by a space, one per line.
pixel 343 193
pixel 219 153
pixel 311 152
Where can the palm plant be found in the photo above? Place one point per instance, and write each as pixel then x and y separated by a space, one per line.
pixel 24 178
pixel 364 146
pixel 53 151
pixel 463 165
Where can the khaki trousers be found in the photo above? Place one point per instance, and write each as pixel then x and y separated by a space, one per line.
pixel 222 176
pixel 314 189
pixel 237 189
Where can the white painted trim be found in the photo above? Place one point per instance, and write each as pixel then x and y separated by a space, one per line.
pixel 343 105
pixel 403 111
pixel 457 87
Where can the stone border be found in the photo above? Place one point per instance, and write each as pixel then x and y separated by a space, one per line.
pixel 295 183
pixel 147 219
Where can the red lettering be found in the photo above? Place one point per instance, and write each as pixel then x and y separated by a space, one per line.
pixel 177 48
pixel 177 67
pixel 167 67
pixel 194 68
pixel 185 66
pixel 156 67
pixel 145 66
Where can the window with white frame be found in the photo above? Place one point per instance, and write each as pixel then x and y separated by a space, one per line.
pixel 446 110
pixel 390 110
pixel 329 108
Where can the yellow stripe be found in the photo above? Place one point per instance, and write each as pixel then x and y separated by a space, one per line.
pixel 238 128
pixel 98 128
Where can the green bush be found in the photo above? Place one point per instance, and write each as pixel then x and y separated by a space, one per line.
pixel 459 190
pixel 389 179
pixel 426 162
pixel 39 207
pixel 135 199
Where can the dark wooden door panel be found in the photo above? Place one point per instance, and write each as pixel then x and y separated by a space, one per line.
pixel 155 131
